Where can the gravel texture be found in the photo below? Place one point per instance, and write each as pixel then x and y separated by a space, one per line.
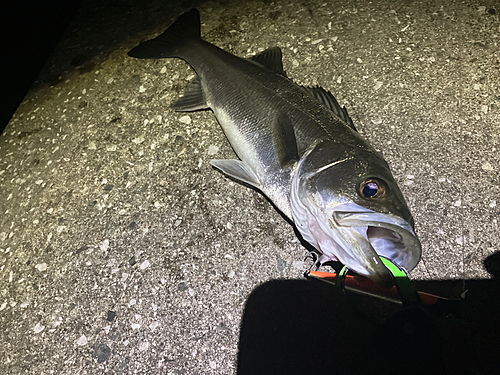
pixel 123 251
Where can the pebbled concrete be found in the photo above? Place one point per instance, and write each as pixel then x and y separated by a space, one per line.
pixel 123 251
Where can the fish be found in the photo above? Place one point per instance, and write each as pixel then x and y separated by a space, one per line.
pixel 299 148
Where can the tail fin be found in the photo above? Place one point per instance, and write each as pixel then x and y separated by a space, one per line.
pixel 187 27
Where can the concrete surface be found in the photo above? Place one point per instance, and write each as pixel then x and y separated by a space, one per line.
pixel 123 251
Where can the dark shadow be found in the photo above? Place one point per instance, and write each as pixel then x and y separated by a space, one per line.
pixel 30 34
pixel 308 326
pixel 33 31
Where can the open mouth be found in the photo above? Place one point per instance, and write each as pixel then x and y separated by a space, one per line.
pixel 390 245
pixel 389 236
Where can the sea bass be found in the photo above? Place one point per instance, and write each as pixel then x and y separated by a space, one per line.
pixel 299 148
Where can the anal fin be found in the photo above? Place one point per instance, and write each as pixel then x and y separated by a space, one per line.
pixel 193 98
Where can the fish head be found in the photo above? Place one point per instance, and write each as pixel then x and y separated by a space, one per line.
pixel 346 203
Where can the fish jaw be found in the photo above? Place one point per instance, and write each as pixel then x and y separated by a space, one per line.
pixel 352 234
pixel 349 245
pixel 390 236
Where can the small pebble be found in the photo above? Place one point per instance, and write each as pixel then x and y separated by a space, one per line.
pixel 82 340
pixel 111 316
pixel 487 167
pixel 281 264
pixel 138 140
pixel 212 149
pixel 102 352
pixel 38 328
pixel 41 267
pixel 153 326
pixel 104 245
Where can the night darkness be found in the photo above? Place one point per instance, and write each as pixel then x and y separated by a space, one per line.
pixel 32 30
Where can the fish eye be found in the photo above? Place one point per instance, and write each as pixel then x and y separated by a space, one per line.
pixel 372 189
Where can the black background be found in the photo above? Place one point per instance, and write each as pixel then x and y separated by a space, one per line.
pixel 30 32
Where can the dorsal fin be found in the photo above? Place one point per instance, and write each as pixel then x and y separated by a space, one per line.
pixel 271 59
pixel 328 100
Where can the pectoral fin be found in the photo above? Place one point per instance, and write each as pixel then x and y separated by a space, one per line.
pixel 238 170
pixel 284 141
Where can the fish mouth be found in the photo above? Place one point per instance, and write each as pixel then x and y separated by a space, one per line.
pixel 358 240
pixel 389 236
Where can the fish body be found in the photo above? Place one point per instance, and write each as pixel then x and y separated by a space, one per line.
pixel 299 147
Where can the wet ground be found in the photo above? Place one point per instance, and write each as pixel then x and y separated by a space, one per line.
pixel 123 251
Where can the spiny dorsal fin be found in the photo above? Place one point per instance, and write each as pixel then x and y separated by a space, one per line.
pixel 284 141
pixel 193 98
pixel 271 59
pixel 328 100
